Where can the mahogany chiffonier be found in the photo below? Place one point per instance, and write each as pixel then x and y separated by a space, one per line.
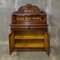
pixel 29 30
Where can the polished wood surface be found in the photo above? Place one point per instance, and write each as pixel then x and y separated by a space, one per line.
pixel 29 45
pixel 29 37
pixel 29 29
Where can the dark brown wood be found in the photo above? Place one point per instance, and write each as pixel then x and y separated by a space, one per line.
pixel 29 49
pixel 29 18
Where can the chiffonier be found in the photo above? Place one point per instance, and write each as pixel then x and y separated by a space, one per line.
pixel 29 30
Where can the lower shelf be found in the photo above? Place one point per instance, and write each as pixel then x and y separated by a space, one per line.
pixel 31 45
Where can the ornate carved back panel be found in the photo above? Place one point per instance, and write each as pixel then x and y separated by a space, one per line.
pixel 29 16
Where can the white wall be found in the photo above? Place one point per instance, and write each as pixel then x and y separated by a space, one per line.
pixel 6 9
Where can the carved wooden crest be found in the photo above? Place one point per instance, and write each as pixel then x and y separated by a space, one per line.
pixel 29 9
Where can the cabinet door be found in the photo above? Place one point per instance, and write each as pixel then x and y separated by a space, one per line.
pixel 47 42
pixel 11 42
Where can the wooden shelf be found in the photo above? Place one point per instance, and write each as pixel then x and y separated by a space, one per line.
pixel 28 37
pixel 29 45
